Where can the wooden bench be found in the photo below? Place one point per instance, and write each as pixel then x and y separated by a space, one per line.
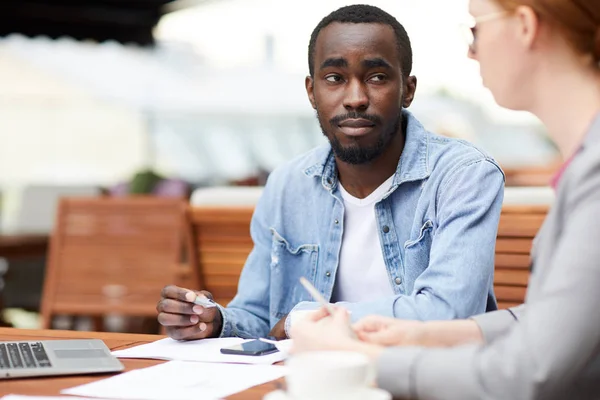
pixel 517 228
pixel 221 242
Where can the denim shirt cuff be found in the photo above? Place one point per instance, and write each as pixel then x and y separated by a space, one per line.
pixel 227 328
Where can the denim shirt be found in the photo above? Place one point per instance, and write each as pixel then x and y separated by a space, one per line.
pixel 437 228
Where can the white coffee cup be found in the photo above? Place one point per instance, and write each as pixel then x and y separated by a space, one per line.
pixel 325 375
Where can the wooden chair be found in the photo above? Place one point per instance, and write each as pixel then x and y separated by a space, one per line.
pixel 518 226
pixel 222 242
pixel 530 176
pixel 113 256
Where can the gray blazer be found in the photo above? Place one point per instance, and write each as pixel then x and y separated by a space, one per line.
pixel 548 348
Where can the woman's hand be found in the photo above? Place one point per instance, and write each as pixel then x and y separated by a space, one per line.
pixel 321 331
pixel 386 331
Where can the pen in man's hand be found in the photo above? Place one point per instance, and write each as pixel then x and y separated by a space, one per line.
pixel 204 302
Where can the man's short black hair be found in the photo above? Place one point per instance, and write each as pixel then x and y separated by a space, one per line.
pixel 365 14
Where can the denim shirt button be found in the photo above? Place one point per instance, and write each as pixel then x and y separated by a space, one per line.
pixel 398 281
pixel 386 229
pixel 336 222
pixel 329 181
pixel 328 274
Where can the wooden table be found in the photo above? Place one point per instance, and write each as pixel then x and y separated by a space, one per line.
pixel 23 245
pixel 52 386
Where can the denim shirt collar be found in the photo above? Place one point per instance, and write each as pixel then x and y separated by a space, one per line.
pixel 412 166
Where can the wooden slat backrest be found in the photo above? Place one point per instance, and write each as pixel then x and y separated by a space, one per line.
pixel 113 255
pixel 222 242
pixel 518 226
pixel 221 238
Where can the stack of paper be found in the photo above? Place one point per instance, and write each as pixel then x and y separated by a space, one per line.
pixel 180 380
pixel 23 397
pixel 207 350
pixel 201 371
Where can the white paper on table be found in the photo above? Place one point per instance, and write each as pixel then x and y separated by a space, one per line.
pixel 282 345
pixel 180 380
pixel 206 350
pixel 23 397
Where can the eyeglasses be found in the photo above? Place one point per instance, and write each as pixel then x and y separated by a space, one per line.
pixel 470 30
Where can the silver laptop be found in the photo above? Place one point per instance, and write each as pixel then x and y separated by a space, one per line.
pixel 56 357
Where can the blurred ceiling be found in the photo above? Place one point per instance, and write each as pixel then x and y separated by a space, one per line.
pixel 125 21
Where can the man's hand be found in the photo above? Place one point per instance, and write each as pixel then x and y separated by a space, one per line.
pixel 278 330
pixel 185 320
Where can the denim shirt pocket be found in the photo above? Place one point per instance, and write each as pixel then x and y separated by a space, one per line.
pixel 416 252
pixel 289 262
pixel 425 230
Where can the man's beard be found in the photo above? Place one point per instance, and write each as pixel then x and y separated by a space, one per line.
pixel 356 154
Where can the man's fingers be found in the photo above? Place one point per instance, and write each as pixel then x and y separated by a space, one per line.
pixel 183 319
pixel 174 307
pixel 201 330
pixel 206 314
pixel 204 293
pixel 178 293
pixel 174 313
pixel 168 319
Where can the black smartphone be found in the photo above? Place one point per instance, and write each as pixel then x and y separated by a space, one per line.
pixel 251 348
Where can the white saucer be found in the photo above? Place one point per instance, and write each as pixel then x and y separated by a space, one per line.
pixel 366 394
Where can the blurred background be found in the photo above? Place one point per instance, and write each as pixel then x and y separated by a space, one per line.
pixel 170 99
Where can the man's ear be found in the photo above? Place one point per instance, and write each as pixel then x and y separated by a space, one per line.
pixel 410 88
pixel 310 90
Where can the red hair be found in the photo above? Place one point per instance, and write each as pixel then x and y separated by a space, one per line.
pixel 578 21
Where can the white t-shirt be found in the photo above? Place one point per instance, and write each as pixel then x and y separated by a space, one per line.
pixel 362 274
